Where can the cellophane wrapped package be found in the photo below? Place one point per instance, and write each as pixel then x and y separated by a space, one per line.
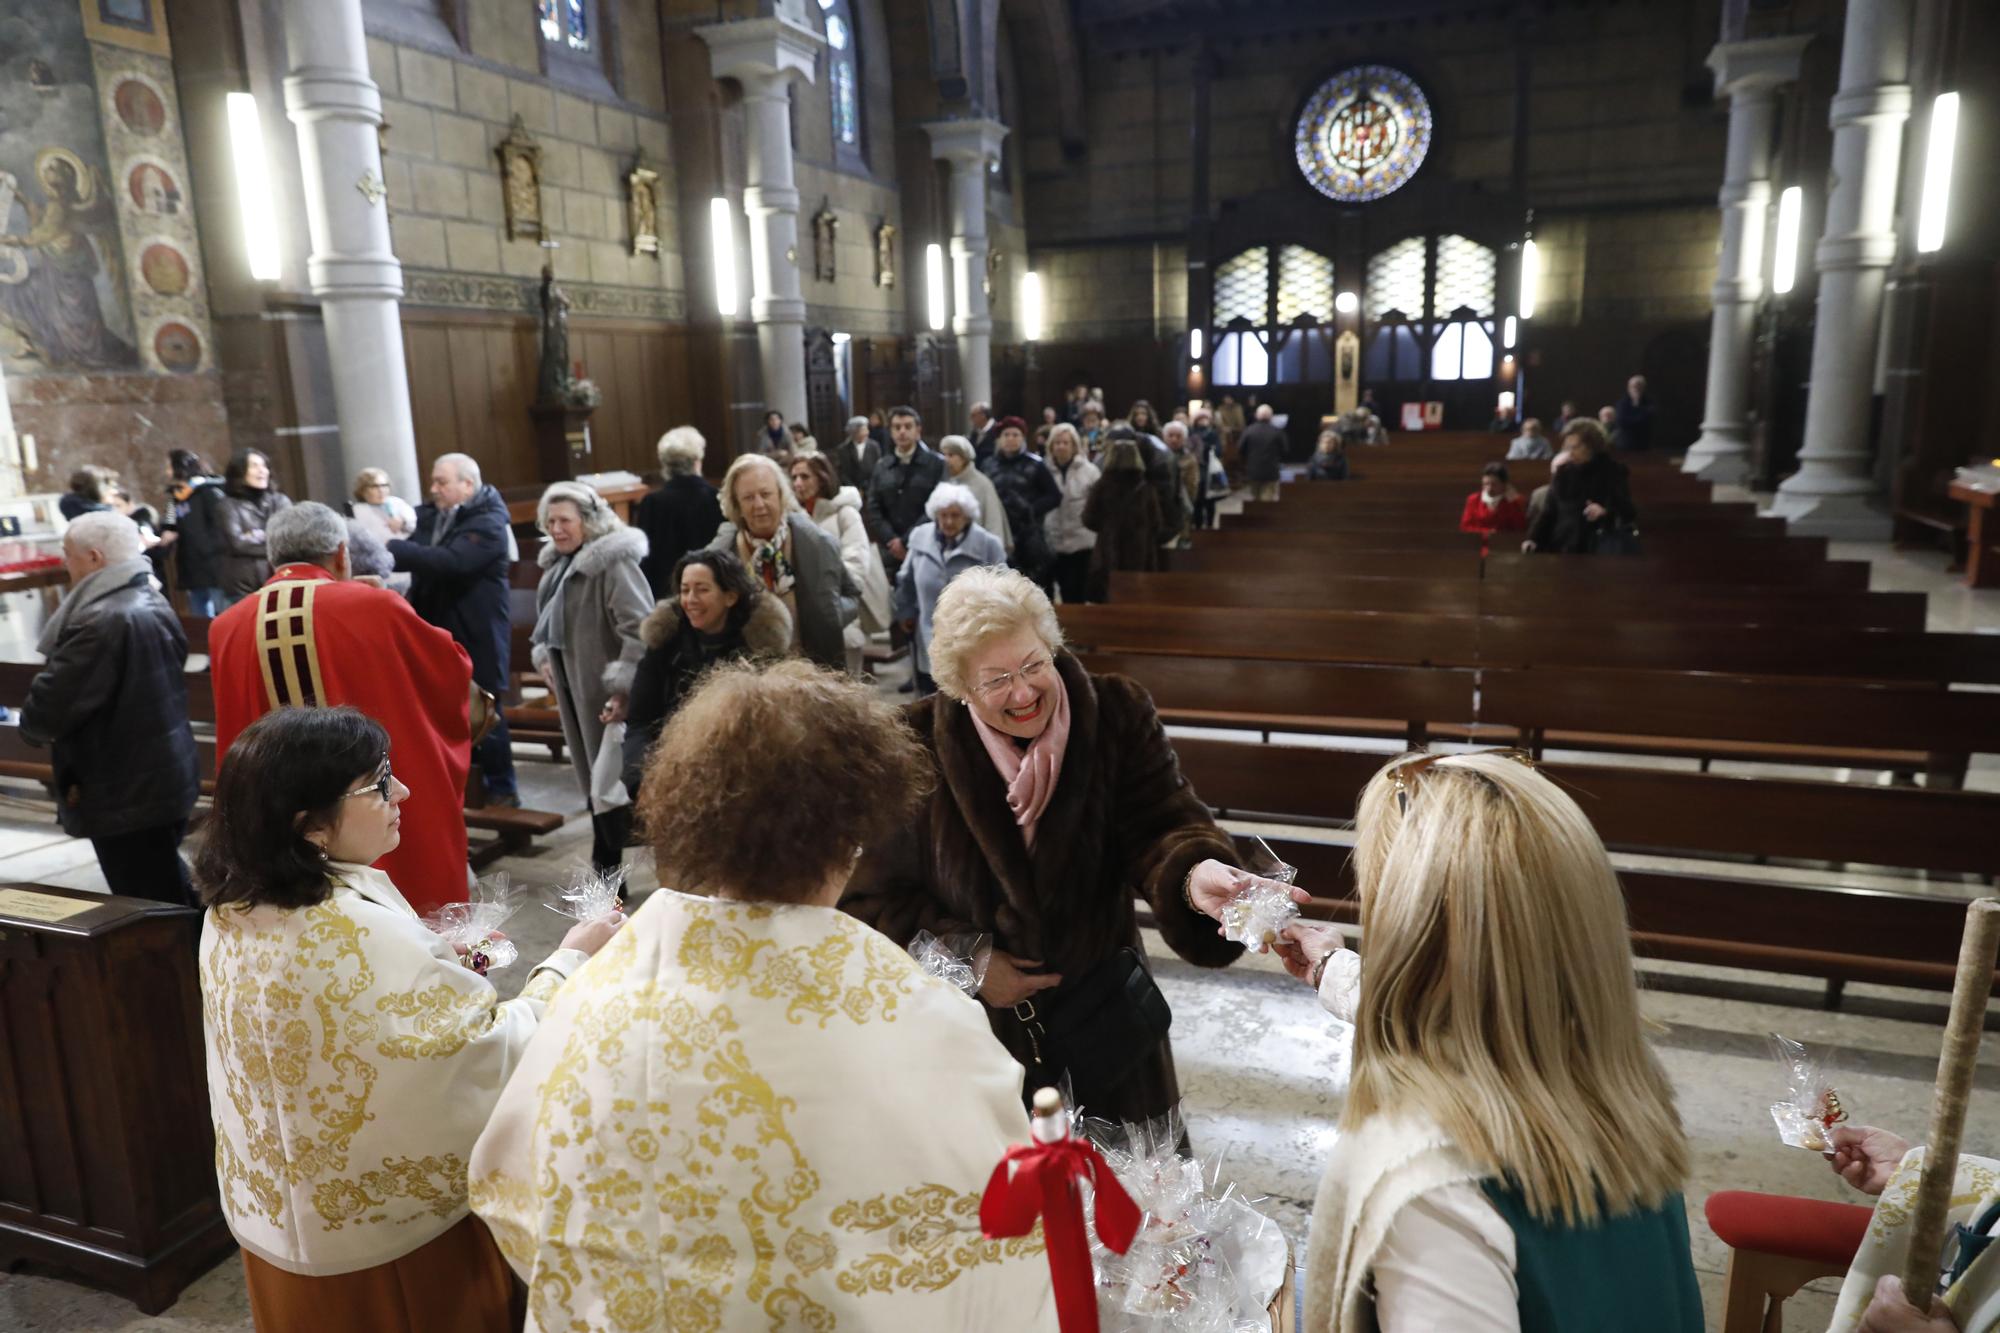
pixel 1255 916
pixel 473 926
pixel 589 894
pixel 957 959
pixel 1811 1105
pixel 1204 1261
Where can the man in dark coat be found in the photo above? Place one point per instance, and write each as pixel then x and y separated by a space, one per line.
pixel 985 433
pixel 903 481
pixel 855 457
pixel 1027 491
pixel 459 559
pixel 682 515
pixel 1635 416
pixel 112 702
pixel 1263 449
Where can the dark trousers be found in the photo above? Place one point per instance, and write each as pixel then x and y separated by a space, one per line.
pixel 610 830
pixel 926 686
pixel 146 864
pixel 494 758
pixel 1071 576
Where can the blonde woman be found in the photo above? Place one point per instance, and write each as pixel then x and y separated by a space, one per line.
pixel 377 505
pixel 1509 1157
pixel 785 550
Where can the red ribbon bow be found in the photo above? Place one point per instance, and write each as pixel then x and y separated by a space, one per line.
pixel 1045 1180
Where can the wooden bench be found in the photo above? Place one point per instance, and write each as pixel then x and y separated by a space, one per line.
pixel 1509 641
pixel 1292 589
pixel 1252 554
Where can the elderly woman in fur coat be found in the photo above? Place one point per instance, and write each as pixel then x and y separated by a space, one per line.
pixel 720 614
pixel 588 606
pixel 1058 798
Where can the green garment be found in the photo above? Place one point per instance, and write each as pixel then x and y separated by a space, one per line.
pixel 1631 1273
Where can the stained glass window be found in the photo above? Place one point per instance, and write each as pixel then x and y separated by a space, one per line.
pixel 1363 133
pixel 567 24
pixel 836 32
pixel 846 117
pixel 1467 274
pixel 843 80
pixel 551 20
pixel 579 25
pixel 1242 287
pixel 1242 358
pixel 1305 284
pixel 1396 279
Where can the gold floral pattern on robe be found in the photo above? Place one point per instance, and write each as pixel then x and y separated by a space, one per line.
pixel 760 1118
pixel 1887 1241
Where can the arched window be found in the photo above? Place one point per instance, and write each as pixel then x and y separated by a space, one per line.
pixel 1273 314
pixel 568 24
pixel 576 48
pixel 843 81
pixel 1432 302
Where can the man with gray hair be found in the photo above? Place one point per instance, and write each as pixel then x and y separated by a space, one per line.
pixel 112 705
pixel 985 432
pixel 313 637
pixel 854 459
pixel 459 558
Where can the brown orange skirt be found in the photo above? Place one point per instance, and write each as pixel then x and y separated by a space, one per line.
pixel 457 1283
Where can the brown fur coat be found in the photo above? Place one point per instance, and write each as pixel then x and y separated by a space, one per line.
pixel 1123 821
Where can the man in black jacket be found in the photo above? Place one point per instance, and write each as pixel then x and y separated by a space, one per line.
pixel 112 703
pixel 1263 448
pixel 855 457
pixel 903 481
pixel 459 558
pixel 985 433
pixel 1028 490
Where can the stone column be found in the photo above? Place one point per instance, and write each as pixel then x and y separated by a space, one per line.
pixel 763 55
pixel 970 146
pixel 353 269
pixel 1830 495
pixel 1749 74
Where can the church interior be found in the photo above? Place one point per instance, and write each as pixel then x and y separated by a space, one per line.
pixel 1316 268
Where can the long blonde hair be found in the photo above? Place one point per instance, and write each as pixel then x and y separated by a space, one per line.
pixel 1498 996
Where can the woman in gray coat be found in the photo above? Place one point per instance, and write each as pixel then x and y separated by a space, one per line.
pixel 783 549
pixel 588 608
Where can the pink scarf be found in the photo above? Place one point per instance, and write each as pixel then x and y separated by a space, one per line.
pixel 1030 774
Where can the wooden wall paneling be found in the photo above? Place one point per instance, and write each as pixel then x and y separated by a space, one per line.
pixel 640 425
pixel 472 398
pixel 511 355
pixel 428 356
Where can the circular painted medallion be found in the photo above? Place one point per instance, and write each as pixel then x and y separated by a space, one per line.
pixel 1363 133
pixel 139 106
pixel 165 270
pixel 177 346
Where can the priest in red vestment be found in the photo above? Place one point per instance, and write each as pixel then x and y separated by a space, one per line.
pixel 309 636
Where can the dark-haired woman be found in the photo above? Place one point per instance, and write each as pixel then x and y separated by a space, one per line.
pixel 721 614
pixel 352 1058
pixel 197 526
pixel 248 502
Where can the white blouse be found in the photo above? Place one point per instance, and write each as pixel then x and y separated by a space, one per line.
pixel 351 1061
pixel 1447 1259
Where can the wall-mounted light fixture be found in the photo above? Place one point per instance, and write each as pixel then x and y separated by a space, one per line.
pixel 1347 303
pixel 1031 306
pixel 939 294
pixel 1510 329
pixel 722 248
pixel 1937 173
pixel 1194 344
pixel 1531 276
pixel 253 186
pixel 1785 260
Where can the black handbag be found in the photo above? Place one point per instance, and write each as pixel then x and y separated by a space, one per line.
pixel 1098 1029
pixel 1619 539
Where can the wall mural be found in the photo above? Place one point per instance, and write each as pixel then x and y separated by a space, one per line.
pixel 99 267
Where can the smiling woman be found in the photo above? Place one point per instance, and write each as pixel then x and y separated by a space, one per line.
pixel 1058 795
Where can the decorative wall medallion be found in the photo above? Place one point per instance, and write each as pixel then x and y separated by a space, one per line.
pixel 164 268
pixel 1363 133
pixel 153 189
pixel 521 183
pixel 139 106
pixel 885 255
pixel 826 230
pixel 177 346
pixel 642 207
pixel 371 187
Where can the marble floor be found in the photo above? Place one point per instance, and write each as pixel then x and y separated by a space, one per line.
pixel 1258 1060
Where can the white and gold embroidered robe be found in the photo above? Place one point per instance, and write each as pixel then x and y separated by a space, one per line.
pixel 1974 1299
pixel 351 1063
pixel 759 1117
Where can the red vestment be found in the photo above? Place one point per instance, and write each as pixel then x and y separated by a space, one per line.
pixel 304 638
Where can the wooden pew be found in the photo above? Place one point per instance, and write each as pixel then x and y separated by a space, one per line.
pixel 1251 554
pixel 1295 589
pixel 1771 551
pixel 1427 639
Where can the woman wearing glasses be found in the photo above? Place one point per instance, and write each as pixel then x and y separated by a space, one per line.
pixel 1057 798
pixel 352 1059
pixel 1509 1155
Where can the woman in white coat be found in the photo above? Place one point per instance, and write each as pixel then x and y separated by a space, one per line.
pixel 1069 540
pixel 837 510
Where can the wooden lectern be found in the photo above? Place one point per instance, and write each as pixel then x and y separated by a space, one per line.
pixel 107 1153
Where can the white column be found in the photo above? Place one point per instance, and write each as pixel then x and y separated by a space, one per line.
pixel 970 146
pixel 1749 74
pixel 763 55
pixel 353 269
pixel 1831 493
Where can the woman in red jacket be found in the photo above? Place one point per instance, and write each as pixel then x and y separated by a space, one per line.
pixel 1495 506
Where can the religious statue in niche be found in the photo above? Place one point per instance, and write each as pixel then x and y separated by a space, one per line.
pixel 521 184
pixel 552 385
pixel 885 255
pixel 642 207
pixel 994 259
pixel 826 227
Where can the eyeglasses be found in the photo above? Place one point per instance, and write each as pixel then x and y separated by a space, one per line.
pixel 380 786
pixel 1405 776
pixel 1000 684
